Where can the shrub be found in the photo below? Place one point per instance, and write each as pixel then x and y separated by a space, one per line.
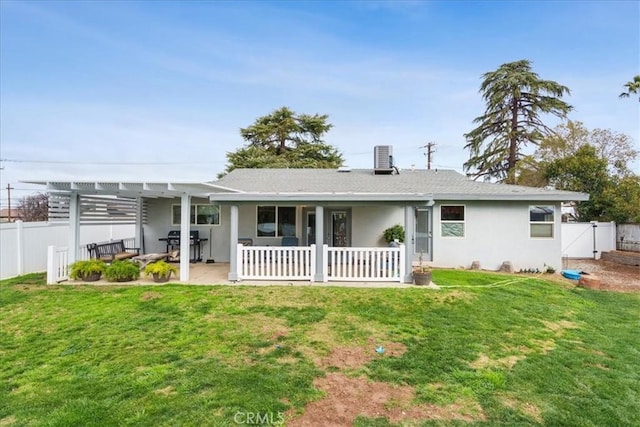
pixel 160 268
pixel 122 271
pixel 87 268
pixel 393 233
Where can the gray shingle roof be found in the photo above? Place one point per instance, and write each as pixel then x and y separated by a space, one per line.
pixel 441 185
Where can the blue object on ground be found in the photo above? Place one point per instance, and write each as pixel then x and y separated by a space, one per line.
pixel 571 274
pixel 380 350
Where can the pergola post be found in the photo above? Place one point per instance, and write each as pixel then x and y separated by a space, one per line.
pixel 185 247
pixel 233 244
pixel 74 227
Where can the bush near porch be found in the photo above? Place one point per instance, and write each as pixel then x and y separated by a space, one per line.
pixel 528 353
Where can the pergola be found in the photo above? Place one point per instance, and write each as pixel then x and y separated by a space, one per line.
pixel 137 190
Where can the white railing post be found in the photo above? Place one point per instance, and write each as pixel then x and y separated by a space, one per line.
pixel 240 263
pixel 325 273
pixel 402 263
pixel 311 262
pixel 51 265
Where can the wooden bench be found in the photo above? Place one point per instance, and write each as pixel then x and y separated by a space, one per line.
pixel 111 251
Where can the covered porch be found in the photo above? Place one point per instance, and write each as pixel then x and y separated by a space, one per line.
pixel 342 243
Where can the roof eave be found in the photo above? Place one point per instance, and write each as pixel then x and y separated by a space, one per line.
pixel 551 197
pixel 319 197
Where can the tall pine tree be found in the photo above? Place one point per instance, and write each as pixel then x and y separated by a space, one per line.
pixel 515 98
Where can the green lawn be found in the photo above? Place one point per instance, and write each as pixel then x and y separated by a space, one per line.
pixel 530 352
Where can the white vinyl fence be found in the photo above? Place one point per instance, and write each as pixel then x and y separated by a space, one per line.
pixel 277 262
pixel 587 239
pixel 628 237
pixel 24 245
pixel 57 264
pixel 364 264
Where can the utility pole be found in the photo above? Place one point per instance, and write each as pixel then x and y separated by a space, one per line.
pixel 9 188
pixel 430 150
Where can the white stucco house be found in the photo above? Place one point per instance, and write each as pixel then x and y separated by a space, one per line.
pixel 449 220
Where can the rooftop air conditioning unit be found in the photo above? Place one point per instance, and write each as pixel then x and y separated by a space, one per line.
pixel 383 159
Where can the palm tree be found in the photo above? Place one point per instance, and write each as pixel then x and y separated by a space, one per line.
pixel 515 97
pixel 632 87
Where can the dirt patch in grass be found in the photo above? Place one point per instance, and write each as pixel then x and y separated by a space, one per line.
pixel 527 408
pixel 348 398
pixel 358 356
pixel 544 346
pixel 8 421
pixel 483 361
pixel 276 332
pixel 149 295
pixel 167 391
pixel 560 326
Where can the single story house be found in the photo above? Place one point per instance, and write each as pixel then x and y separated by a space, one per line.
pixel 327 224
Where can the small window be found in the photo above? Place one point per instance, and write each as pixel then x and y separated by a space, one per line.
pixel 208 214
pixel 276 221
pixel 541 221
pixel 452 221
pixel 199 214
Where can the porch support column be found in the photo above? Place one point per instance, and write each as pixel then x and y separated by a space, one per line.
pixel 185 249
pixel 320 275
pixel 74 227
pixel 233 244
pixel 409 227
pixel 139 235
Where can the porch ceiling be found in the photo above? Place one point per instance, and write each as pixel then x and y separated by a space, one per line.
pixel 133 189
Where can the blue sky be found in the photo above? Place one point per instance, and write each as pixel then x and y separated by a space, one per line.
pixel 158 90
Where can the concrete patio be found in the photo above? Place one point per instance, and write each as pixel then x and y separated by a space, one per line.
pixel 216 274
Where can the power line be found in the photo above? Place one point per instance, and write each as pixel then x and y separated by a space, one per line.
pixel 69 162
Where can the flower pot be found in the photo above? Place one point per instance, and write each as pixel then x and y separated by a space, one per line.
pixel 161 279
pixel 421 278
pixel 92 277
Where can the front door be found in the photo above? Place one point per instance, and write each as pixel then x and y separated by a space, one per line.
pixel 339 228
pixel 311 228
pixel 422 241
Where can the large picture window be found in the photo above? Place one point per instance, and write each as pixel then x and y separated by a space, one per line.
pixel 541 221
pixel 452 221
pixel 276 221
pixel 200 214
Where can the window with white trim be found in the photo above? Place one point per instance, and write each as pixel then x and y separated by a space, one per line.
pixel 452 220
pixel 200 214
pixel 541 221
pixel 276 221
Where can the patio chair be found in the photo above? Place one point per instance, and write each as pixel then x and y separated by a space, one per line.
pixel 289 241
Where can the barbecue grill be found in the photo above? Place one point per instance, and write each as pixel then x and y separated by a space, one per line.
pixel 173 243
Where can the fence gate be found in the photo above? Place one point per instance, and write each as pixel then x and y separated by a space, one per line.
pixel 587 239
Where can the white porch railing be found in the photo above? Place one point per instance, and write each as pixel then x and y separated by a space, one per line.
pixel 276 262
pixel 364 264
pixel 57 264
pixel 58 260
